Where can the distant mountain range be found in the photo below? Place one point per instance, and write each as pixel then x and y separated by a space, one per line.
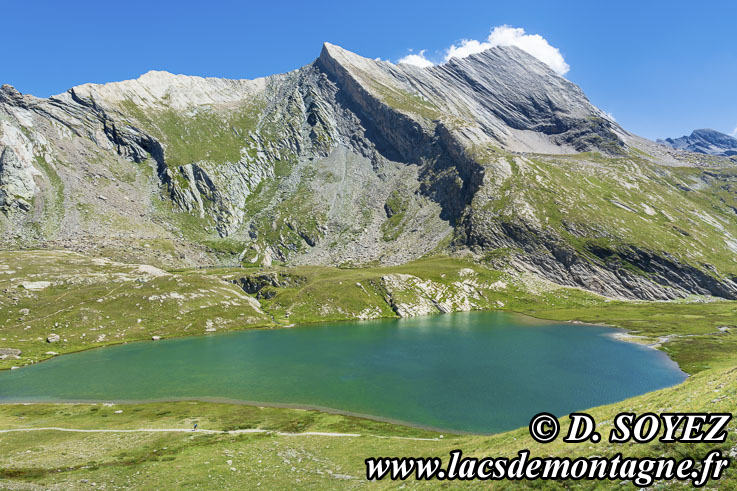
pixel 707 141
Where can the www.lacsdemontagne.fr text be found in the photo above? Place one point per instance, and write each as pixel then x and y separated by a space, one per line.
pixel 640 471
pixel 544 428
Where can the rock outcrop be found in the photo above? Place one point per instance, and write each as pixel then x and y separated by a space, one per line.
pixel 9 354
pixel 17 172
pixel 257 284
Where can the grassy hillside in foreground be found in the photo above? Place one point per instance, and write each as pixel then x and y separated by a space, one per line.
pixel 61 460
pixel 86 298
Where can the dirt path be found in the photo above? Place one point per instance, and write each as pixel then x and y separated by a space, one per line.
pixel 219 432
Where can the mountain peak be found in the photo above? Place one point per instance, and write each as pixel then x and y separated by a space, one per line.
pixel 709 133
pixel 157 87
pixel 326 46
pixel 515 99
pixel 704 140
pixel 11 95
pixel 334 54
pixel 497 55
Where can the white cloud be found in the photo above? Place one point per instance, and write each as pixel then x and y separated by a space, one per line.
pixel 534 44
pixel 734 133
pixel 416 60
pixel 466 48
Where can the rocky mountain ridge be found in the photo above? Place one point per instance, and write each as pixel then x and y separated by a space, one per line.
pixel 350 161
pixel 707 141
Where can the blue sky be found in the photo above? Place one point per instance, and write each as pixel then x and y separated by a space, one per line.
pixel 660 68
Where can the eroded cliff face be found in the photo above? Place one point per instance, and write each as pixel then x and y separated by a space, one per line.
pixel 353 161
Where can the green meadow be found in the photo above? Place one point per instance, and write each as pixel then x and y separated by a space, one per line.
pixel 91 302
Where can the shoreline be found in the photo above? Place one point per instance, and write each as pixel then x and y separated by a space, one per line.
pixel 621 335
pixel 299 324
pixel 624 335
pixel 262 327
pixel 237 402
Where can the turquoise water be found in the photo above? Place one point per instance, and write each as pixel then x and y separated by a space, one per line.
pixel 479 372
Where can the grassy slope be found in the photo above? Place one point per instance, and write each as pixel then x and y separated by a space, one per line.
pixel 182 134
pixel 89 298
pixel 51 459
pixel 92 303
pixel 686 212
pixel 63 460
